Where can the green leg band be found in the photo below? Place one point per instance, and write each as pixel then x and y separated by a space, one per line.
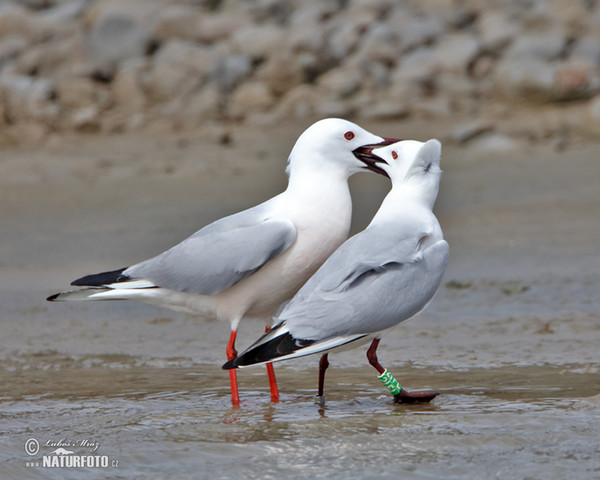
pixel 390 382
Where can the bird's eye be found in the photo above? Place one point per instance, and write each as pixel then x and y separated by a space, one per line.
pixel 394 154
pixel 428 167
pixel 349 135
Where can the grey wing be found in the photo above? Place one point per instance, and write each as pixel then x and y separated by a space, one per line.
pixel 214 259
pixel 366 251
pixel 369 299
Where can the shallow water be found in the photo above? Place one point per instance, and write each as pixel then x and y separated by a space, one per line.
pixel 510 342
pixel 177 422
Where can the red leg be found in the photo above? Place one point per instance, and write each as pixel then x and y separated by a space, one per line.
pixel 372 355
pixel 231 354
pixel 272 379
pixel 403 396
pixel 323 364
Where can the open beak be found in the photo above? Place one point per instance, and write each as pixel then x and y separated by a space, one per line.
pixel 365 154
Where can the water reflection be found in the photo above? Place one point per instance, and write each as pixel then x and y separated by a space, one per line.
pixel 177 421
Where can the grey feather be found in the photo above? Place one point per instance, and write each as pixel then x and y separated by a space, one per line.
pixel 219 255
pixel 367 251
pixel 386 275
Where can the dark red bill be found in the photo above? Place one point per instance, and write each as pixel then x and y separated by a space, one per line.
pixel 365 154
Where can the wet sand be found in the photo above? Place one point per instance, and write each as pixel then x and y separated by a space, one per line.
pixel 511 340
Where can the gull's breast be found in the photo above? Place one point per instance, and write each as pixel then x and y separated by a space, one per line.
pixel 319 234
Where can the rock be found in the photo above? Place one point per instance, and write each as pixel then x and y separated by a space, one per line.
pixel 466 132
pixel 593 115
pixel 277 11
pixel 250 97
pixel 460 91
pixel 77 92
pixel 300 102
pixel 62 56
pixel 531 79
pixel 385 110
pixel 281 73
pixel 361 9
pixel 496 31
pixel 313 64
pixel 63 12
pixel 327 107
pixel 481 67
pixel 344 39
pixel 216 132
pixel 11 46
pixel 112 65
pixel 15 20
pixel 126 88
pixel 401 93
pixel 299 38
pixel 86 119
pixel 341 82
pixel 115 37
pixel 27 133
pixel 543 45
pixel 179 66
pixel 178 21
pixel 587 49
pixel 38 4
pixel 493 142
pixel 575 80
pixel 204 105
pixel 140 12
pixel 415 30
pixel 418 66
pixel 432 107
pixel 27 98
pixel 379 44
pixel 547 82
pixel 456 52
pixel 258 41
pixel 229 71
pixel 118 121
pixel 221 26
pixel 460 17
pixel 189 110
pixel 375 75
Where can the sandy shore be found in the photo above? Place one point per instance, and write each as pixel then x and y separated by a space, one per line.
pixel 523 227
pixel 510 342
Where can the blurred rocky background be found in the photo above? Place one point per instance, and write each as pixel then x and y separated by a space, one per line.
pixel 504 72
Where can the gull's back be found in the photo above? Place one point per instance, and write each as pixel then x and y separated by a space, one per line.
pixel 378 278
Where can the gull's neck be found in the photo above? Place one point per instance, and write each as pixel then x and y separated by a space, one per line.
pixel 318 178
pixel 423 193
pixel 406 200
pixel 319 196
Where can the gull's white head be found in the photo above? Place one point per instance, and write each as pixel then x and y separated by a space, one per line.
pixel 334 144
pixel 414 167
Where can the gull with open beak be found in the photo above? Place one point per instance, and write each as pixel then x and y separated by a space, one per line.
pixel 378 278
pixel 248 263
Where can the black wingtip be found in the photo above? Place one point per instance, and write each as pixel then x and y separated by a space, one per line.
pixel 278 346
pixel 99 279
pixel 51 298
pixel 230 365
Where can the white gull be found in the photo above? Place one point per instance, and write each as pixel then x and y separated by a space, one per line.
pixel 248 263
pixel 378 278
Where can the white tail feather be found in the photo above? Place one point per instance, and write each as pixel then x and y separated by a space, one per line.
pixel 142 291
pixel 77 295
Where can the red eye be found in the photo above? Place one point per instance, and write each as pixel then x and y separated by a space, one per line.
pixel 394 154
pixel 349 135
